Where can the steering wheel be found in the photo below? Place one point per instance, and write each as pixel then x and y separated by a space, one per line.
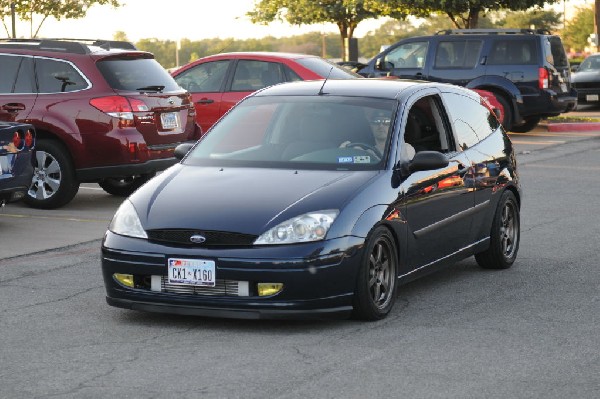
pixel 366 147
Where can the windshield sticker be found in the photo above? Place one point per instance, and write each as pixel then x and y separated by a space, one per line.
pixel 356 159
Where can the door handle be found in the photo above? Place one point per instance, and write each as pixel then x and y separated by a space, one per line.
pixel 205 101
pixel 13 107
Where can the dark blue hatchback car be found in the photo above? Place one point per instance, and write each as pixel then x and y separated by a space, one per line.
pixel 17 141
pixel 314 199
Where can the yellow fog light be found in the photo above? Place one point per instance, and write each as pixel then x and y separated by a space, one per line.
pixel 125 279
pixel 267 289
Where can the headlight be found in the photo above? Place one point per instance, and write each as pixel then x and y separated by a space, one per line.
pixel 126 222
pixel 304 228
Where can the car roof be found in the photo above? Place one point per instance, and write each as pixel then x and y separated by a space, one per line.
pixel 266 54
pixel 68 47
pixel 376 88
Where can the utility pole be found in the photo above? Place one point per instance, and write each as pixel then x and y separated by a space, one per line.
pixel 12 15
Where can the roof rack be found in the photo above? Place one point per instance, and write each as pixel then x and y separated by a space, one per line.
pixel 78 46
pixel 494 31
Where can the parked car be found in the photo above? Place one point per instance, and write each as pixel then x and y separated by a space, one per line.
pixel 586 80
pixel 306 210
pixel 102 114
pixel 17 141
pixel 527 70
pixel 218 82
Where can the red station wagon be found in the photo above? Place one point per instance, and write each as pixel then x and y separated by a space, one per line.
pixel 103 111
pixel 218 82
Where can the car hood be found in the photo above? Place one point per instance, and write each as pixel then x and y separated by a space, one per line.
pixel 585 76
pixel 243 200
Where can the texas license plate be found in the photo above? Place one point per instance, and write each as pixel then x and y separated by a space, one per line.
pixel 191 272
pixel 169 120
pixel 592 97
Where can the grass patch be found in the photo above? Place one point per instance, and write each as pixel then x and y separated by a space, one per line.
pixel 571 119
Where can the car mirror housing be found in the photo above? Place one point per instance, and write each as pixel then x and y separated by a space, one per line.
pixel 428 160
pixel 182 149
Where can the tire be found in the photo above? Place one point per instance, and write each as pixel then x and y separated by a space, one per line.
pixel 505 235
pixel 530 123
pixel 507 113
pixel 54 183
pixel 124 186
pixel 376 285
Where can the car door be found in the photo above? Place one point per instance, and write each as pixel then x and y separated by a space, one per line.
pixel 437 203
pixel 206 83
pixel 17 87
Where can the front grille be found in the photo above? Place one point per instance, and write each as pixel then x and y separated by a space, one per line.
pixel 221 288
pixel 213 238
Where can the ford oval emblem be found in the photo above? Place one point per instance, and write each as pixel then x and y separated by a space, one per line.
pixel 197 239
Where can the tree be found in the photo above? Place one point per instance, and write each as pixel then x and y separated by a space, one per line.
pixel 578 29
pixel 465 14
pixel 346 14
pixel 541 19
pixel 58 9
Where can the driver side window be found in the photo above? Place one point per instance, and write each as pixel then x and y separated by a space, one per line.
pixel 408 55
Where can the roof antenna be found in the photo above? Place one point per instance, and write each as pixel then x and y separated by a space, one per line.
pixel 325 81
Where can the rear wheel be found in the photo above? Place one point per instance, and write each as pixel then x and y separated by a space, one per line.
pixel 124 186
pixel 504 237
pixel 529 124
pixel 53 184
pixel 375 292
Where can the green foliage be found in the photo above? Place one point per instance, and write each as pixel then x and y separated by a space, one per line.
pixel 346 14
pixel 578 29
pixel 58 9
pixel 540 19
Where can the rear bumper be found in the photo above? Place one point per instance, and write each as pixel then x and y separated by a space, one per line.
pixel 548 103
pixel 102 172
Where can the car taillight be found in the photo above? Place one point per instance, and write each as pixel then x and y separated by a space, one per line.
pixel 543 78
pixel 28 138
pixel 16 140
pixel 120 107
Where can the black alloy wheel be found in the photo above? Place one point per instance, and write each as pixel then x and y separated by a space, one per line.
pixel 124 186
pixel 528 125
pixel 375 292
pixel 505 235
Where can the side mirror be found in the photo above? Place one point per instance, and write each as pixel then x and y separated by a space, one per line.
pixel 574 68
pixel 182 149
pixel 379 64
pixel 428 160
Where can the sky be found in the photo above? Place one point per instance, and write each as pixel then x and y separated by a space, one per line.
pixel 191 19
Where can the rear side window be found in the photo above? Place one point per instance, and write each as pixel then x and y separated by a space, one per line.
pixel 513 52
pixel 251 75
pixel 472 121
pixel 459 54
pixel 555 52
pixel 56 76
pixel 133 74
pixel 325 68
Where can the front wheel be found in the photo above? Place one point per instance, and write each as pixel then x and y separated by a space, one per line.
pixel 124 186
pixel 375 291
pixel 504 237
pixel 54 183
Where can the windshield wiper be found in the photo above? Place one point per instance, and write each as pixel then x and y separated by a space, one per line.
pixel 157 88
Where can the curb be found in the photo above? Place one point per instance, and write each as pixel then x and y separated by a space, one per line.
pixel 571 127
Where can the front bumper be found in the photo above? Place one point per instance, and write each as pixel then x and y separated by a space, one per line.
pixel 318 278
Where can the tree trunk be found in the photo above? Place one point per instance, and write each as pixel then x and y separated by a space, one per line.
pixel 474 18
pixel 596 22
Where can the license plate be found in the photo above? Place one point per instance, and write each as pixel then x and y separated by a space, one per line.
pixel 592 97
pixel 169 120
pixel 191 272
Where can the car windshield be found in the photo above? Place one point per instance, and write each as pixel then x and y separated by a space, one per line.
pixel 590 63
pixel 302 132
